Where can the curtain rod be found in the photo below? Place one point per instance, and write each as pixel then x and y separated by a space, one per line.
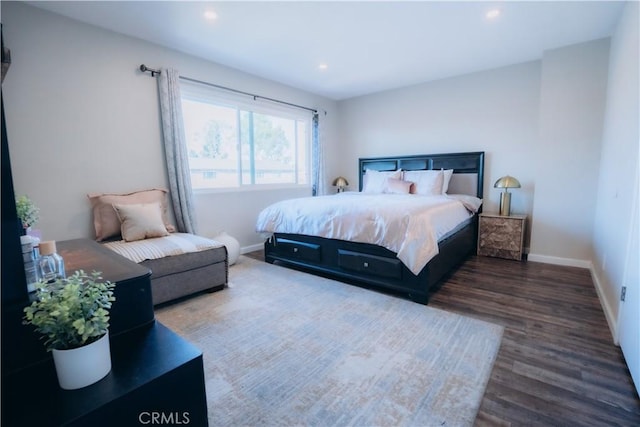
pixel 153 72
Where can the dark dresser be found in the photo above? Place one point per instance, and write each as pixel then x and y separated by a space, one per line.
pixel 155 373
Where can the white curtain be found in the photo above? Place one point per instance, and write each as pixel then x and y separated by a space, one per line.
pixel 317 153
pixel 175 149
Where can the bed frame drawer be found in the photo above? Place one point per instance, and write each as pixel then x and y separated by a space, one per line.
pixel 299 250
pixel 370 264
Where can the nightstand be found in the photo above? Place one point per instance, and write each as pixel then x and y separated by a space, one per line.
pixel 501 236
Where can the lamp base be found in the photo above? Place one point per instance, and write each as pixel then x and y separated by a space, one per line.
pixel 505 203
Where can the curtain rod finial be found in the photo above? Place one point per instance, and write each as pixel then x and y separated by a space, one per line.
pixel 144 69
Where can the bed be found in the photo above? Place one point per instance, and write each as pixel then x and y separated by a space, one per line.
pixel 135 225
pixel 375 266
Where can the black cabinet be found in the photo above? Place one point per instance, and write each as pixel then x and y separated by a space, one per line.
pixel 155 372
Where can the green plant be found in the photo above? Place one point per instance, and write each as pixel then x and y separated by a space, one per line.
pixel 27 211
pixel 71 312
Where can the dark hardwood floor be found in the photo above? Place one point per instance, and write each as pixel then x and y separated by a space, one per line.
pixel 557 364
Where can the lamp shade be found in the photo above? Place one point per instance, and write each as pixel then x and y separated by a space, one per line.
pixel 340 182
pixel 507 181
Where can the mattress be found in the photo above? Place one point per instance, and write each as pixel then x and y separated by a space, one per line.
pixel 409 225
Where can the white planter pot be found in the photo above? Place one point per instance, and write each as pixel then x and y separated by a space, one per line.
pixel 83 366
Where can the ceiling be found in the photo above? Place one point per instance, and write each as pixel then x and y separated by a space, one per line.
pixel 367 46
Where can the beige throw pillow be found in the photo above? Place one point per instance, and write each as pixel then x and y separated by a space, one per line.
pixel 140 221
pixel 105 219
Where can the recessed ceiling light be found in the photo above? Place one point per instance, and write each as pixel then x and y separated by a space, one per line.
pixel 323 66
pixel 210 15
pixel 493 14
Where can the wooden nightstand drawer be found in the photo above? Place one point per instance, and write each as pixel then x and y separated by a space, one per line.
pixel 501 236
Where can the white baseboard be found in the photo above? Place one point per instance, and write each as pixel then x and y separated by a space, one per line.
pixel 612 321
pixel 606 307
pixel 252 248
pixel 569 262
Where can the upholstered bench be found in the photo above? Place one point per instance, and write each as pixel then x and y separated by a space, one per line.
pixel 181 264
pixel 136 226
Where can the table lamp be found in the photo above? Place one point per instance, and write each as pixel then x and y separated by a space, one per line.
pixel 506 182
pixel 340 182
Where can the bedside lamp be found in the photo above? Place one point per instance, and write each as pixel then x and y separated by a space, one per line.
pixel 506 182
pixel 340 182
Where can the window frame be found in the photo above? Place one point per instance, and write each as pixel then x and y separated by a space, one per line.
pixel 206 94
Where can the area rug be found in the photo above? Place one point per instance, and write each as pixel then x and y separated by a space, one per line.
pixel 286 348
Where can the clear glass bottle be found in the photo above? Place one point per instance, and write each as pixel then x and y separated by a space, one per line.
pixel 30 260
pixel 51 265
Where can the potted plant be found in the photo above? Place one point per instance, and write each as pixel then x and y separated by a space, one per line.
pixel 27 212
pixel 72 315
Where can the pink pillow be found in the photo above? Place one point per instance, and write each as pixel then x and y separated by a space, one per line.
pixel 105 219
pixel 397 186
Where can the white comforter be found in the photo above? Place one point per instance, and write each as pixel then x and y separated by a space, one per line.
pixel 409 225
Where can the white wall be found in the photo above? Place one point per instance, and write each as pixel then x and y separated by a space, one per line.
pixel 573 95
pixel 538 121
pixel 81 118
pixel 493 111
pixel 618 165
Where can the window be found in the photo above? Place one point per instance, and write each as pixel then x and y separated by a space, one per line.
pixel 234 144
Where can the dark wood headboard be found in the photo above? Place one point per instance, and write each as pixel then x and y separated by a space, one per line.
pixel 471 163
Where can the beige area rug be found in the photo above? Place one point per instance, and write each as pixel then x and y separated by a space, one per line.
pixel 286 348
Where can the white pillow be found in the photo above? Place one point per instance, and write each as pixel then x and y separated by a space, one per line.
pixel 446 178
pixel 375 181
pixel 426 183
pixel 397 186
pixel 140 221
pixel 472 203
